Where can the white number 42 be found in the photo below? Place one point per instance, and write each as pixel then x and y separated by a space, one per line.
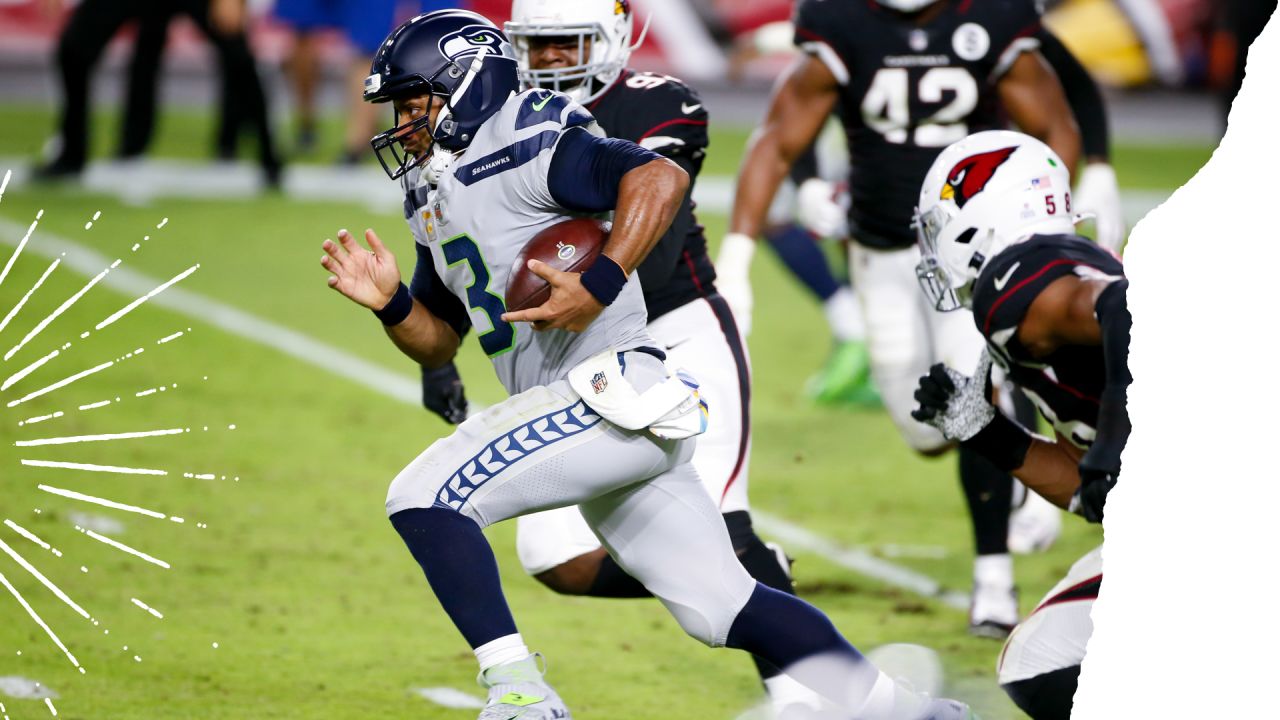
pixel 886 106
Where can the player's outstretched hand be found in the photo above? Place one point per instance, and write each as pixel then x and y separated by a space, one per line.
pixel 369 277
pixel 571 307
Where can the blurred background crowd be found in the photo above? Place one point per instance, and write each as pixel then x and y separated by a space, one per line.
pixel 272 67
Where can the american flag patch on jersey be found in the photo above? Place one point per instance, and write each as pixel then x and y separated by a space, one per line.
pixel 1042 183
pixel 599 382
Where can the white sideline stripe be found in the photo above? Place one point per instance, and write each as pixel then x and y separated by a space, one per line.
pixel 401 388
pixel 450 698
pixel 858 560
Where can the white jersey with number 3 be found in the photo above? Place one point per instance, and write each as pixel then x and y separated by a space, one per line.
pixel 492 200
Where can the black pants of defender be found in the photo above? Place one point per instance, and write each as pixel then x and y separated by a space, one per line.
pixel 1048 696
pixel 92 25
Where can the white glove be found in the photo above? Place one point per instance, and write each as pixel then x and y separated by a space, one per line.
pixel 1098 193
pixel 820 210
pixel 733 277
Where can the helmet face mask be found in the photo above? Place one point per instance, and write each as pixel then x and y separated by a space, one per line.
pixel 390 145
pixel 600 30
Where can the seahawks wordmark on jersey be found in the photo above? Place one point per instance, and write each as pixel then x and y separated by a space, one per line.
pixel 908 90
pixel 473 225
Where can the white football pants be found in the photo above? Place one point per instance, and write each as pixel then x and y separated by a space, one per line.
pixel 699 337
pixel 906 335
pixel 544 449
pixel 1055 634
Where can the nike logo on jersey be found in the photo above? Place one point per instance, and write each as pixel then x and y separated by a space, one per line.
pixel 537 107
pixel 1003 280
pixel 689 109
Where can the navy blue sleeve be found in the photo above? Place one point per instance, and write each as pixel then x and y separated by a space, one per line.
pixel 427 288
pixel 586 170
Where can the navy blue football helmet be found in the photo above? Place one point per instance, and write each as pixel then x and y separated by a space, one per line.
pixel 451 54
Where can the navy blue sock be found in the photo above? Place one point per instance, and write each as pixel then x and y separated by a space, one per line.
pixel 799 251
pixel 783 629
pixel 461 569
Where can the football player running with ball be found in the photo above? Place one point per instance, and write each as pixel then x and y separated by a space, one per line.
pixel 581 48
pixel 997 235
pixel 910 78
pixel 484 168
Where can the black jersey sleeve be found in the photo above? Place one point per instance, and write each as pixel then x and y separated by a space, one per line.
pixel 427 288
pixel 669 118
pixel 816 25
pixel 1013 279
pixel 1015 29
pixel 1082 94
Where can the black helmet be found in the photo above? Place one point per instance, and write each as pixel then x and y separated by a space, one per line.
pixel 452 54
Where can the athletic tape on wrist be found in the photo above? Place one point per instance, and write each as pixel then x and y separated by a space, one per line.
pixel 1003 442
pixel 398 309
pixel 604 279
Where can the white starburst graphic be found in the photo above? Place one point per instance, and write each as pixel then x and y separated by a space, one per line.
pixel 49 372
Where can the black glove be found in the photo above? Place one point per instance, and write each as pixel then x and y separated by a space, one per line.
pixel 1097 477
pixel 933 394
pixel 442 393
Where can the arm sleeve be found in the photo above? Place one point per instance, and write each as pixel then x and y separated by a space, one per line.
pixel 1082 94
pixel 586 170
pixel 814 24
pixel 1113 415
pixel 427 288
pixel 658 265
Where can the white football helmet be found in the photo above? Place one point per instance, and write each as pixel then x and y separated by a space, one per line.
pixel 603 32
pixel 907 6
pixel 983 194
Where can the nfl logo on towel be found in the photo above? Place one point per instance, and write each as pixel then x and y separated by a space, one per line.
pixel 599 382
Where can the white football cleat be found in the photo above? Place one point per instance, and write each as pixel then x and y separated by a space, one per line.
pixel 1034 526
pixel 517 690
pixel 993 606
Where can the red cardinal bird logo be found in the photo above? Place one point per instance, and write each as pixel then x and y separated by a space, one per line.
pixel 971 175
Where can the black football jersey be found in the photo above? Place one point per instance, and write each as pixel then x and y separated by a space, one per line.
pixel 908 90
pixel 1066 386
pixel 666 116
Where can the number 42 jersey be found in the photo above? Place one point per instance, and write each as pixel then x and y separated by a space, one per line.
pixel 909 89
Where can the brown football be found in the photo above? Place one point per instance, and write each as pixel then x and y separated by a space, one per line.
pixel 569 246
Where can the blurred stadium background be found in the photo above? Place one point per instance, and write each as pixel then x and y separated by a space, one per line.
pixel 288 596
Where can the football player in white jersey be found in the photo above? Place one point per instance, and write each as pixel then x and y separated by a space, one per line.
pixel 595 416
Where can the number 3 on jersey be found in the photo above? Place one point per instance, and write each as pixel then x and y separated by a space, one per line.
pixel 502 336
pixel 887 105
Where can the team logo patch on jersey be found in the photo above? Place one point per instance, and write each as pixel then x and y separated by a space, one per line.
pixel 565 252
pixel 918 40
pixel 467 42
pixel 621 7
pixel 971 42
pixel 599 382
pixel 971 175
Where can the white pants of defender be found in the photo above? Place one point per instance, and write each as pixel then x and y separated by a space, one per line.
pixel 545 449
pixel 906 335
pixel 1055 634
pixel 695 338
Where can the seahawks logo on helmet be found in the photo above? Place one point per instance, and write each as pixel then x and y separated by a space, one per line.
pixel 971 175
pixel 467 42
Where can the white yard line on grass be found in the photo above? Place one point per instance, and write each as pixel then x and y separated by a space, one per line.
pixel 406 390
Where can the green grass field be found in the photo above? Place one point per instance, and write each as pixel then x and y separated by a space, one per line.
pixel 316 609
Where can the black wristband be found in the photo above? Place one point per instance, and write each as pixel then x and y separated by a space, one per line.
pixel 395 312
pixel 1004 442
pixel 604 279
